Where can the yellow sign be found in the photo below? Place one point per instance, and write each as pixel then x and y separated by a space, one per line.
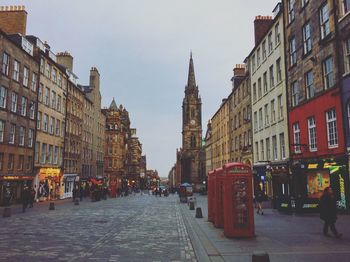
pixel 327 165
pixel 312 166
pixel 17 177
pixel 49 172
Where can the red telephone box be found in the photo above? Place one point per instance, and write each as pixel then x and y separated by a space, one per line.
pixel 211 195
pixel 218 207
pixel 238 201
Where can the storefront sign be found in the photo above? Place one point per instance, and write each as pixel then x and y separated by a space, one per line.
pixel 312 166
pixel 342 201
pixel 16 177
pixel 310 205
pixel 239 171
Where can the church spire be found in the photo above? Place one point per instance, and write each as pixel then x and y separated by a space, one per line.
pixel 191 82
pixel 113 105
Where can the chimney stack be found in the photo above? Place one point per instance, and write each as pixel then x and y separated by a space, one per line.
pixel 13 19
pixel 238 75
pixel 261 25
pixel 65 59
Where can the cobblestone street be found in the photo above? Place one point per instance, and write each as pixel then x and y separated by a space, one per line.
pixel 133 228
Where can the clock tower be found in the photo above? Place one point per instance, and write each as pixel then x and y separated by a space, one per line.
pixel 191 164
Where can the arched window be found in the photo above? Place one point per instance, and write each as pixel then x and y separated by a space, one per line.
pixel 193 141
pixel 192 112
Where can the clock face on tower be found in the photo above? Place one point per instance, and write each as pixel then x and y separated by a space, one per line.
pixel 193 122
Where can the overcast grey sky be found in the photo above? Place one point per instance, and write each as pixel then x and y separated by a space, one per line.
pixel 141 49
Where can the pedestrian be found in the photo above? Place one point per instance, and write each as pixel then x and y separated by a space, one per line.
pixel 25 198
pixel 81 193
pixel 259 199
pixel 160 192
pixel 328 211
pixel 74 193
pixel 31 196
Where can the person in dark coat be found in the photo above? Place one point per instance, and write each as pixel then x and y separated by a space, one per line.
pixel 259 199
pixel 32 193
pixel 25 198
pixel 81 194
pixel 328 211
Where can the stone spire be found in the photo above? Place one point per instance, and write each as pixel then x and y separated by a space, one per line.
pixel 113 105
pixel 191 82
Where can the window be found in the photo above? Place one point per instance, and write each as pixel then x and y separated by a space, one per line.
pixel 261 123
pixel 312 134
pixel 42 65
pixel 45 120
pixel 58 125
pixel 30 137
pixel 58 103
pixel 253 63
pixel 273 112
pixel 295 93
pixel 280 107
pixel 25 76
pixel 309 84
pixel 63 105
pixel 292 52
pixel 259 88
pixel 304 3
pixel 59 80
pixel 268 150
pixel 12 134
pixel 332 133
pixel 48 70
pixel 2 130
pixel 265 82
pixel 262 155
pixel 31 109
pixel 328 74
pixel 20 162
pixel 29 162
pixel 269 41
pixel 254 92
pixel 279 70
pixel 274 148
pixel 40 95
pixel 307 40
pixel 272 77
pixel 324 21
pixel 296 138
pixel 256 151
pixel 291 13
pixel 264 50
pixel 55 156
pixel 50 154
pixel 11 161
pixel 22 132
pixel 5 64
pixel 255 121
pixel 3 97
pixel 43 153
pixel 345 6
pixel 37 148
pixel 14 102
pixel 277 34
pixel 258 57
pixel 1 161
pixel 53 99
pixel 54 75
pixel 34 82
pixel 266 111
pixel 282 146
pixel 347 55
pixel 47 96
pixel 52 120
pixel 23 106
pixel 15 74
pixel 38 121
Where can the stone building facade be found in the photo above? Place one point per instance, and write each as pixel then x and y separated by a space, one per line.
pixel 134 159
pixel 74 123
pixel 18 104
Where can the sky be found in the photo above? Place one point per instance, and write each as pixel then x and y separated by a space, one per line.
pixel 142 48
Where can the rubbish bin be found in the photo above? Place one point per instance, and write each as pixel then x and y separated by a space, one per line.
pixel 238 200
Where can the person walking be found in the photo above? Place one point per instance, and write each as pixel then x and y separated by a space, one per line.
pixel 31 196
pixel 259 199
pixel 25 198
pixel 328 212
pixel 81 193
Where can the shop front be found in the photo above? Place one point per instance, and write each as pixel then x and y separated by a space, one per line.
pixel 314 176
pixel 49 181
pixel 281 184
pixel 262 180
pixel 11 187
pixel 68 185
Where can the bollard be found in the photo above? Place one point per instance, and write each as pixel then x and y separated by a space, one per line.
pixel 7 212
pixel 76 202
pixel 191 205
pixel 52 206
pixel 260 257
pixel 199 212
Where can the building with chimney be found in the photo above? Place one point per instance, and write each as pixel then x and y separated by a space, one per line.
pixel 240 128
pixel 266 64
pixel 191 160
pixel 316 129
pixel 18 104
pixel 134 159
pixel 74 124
